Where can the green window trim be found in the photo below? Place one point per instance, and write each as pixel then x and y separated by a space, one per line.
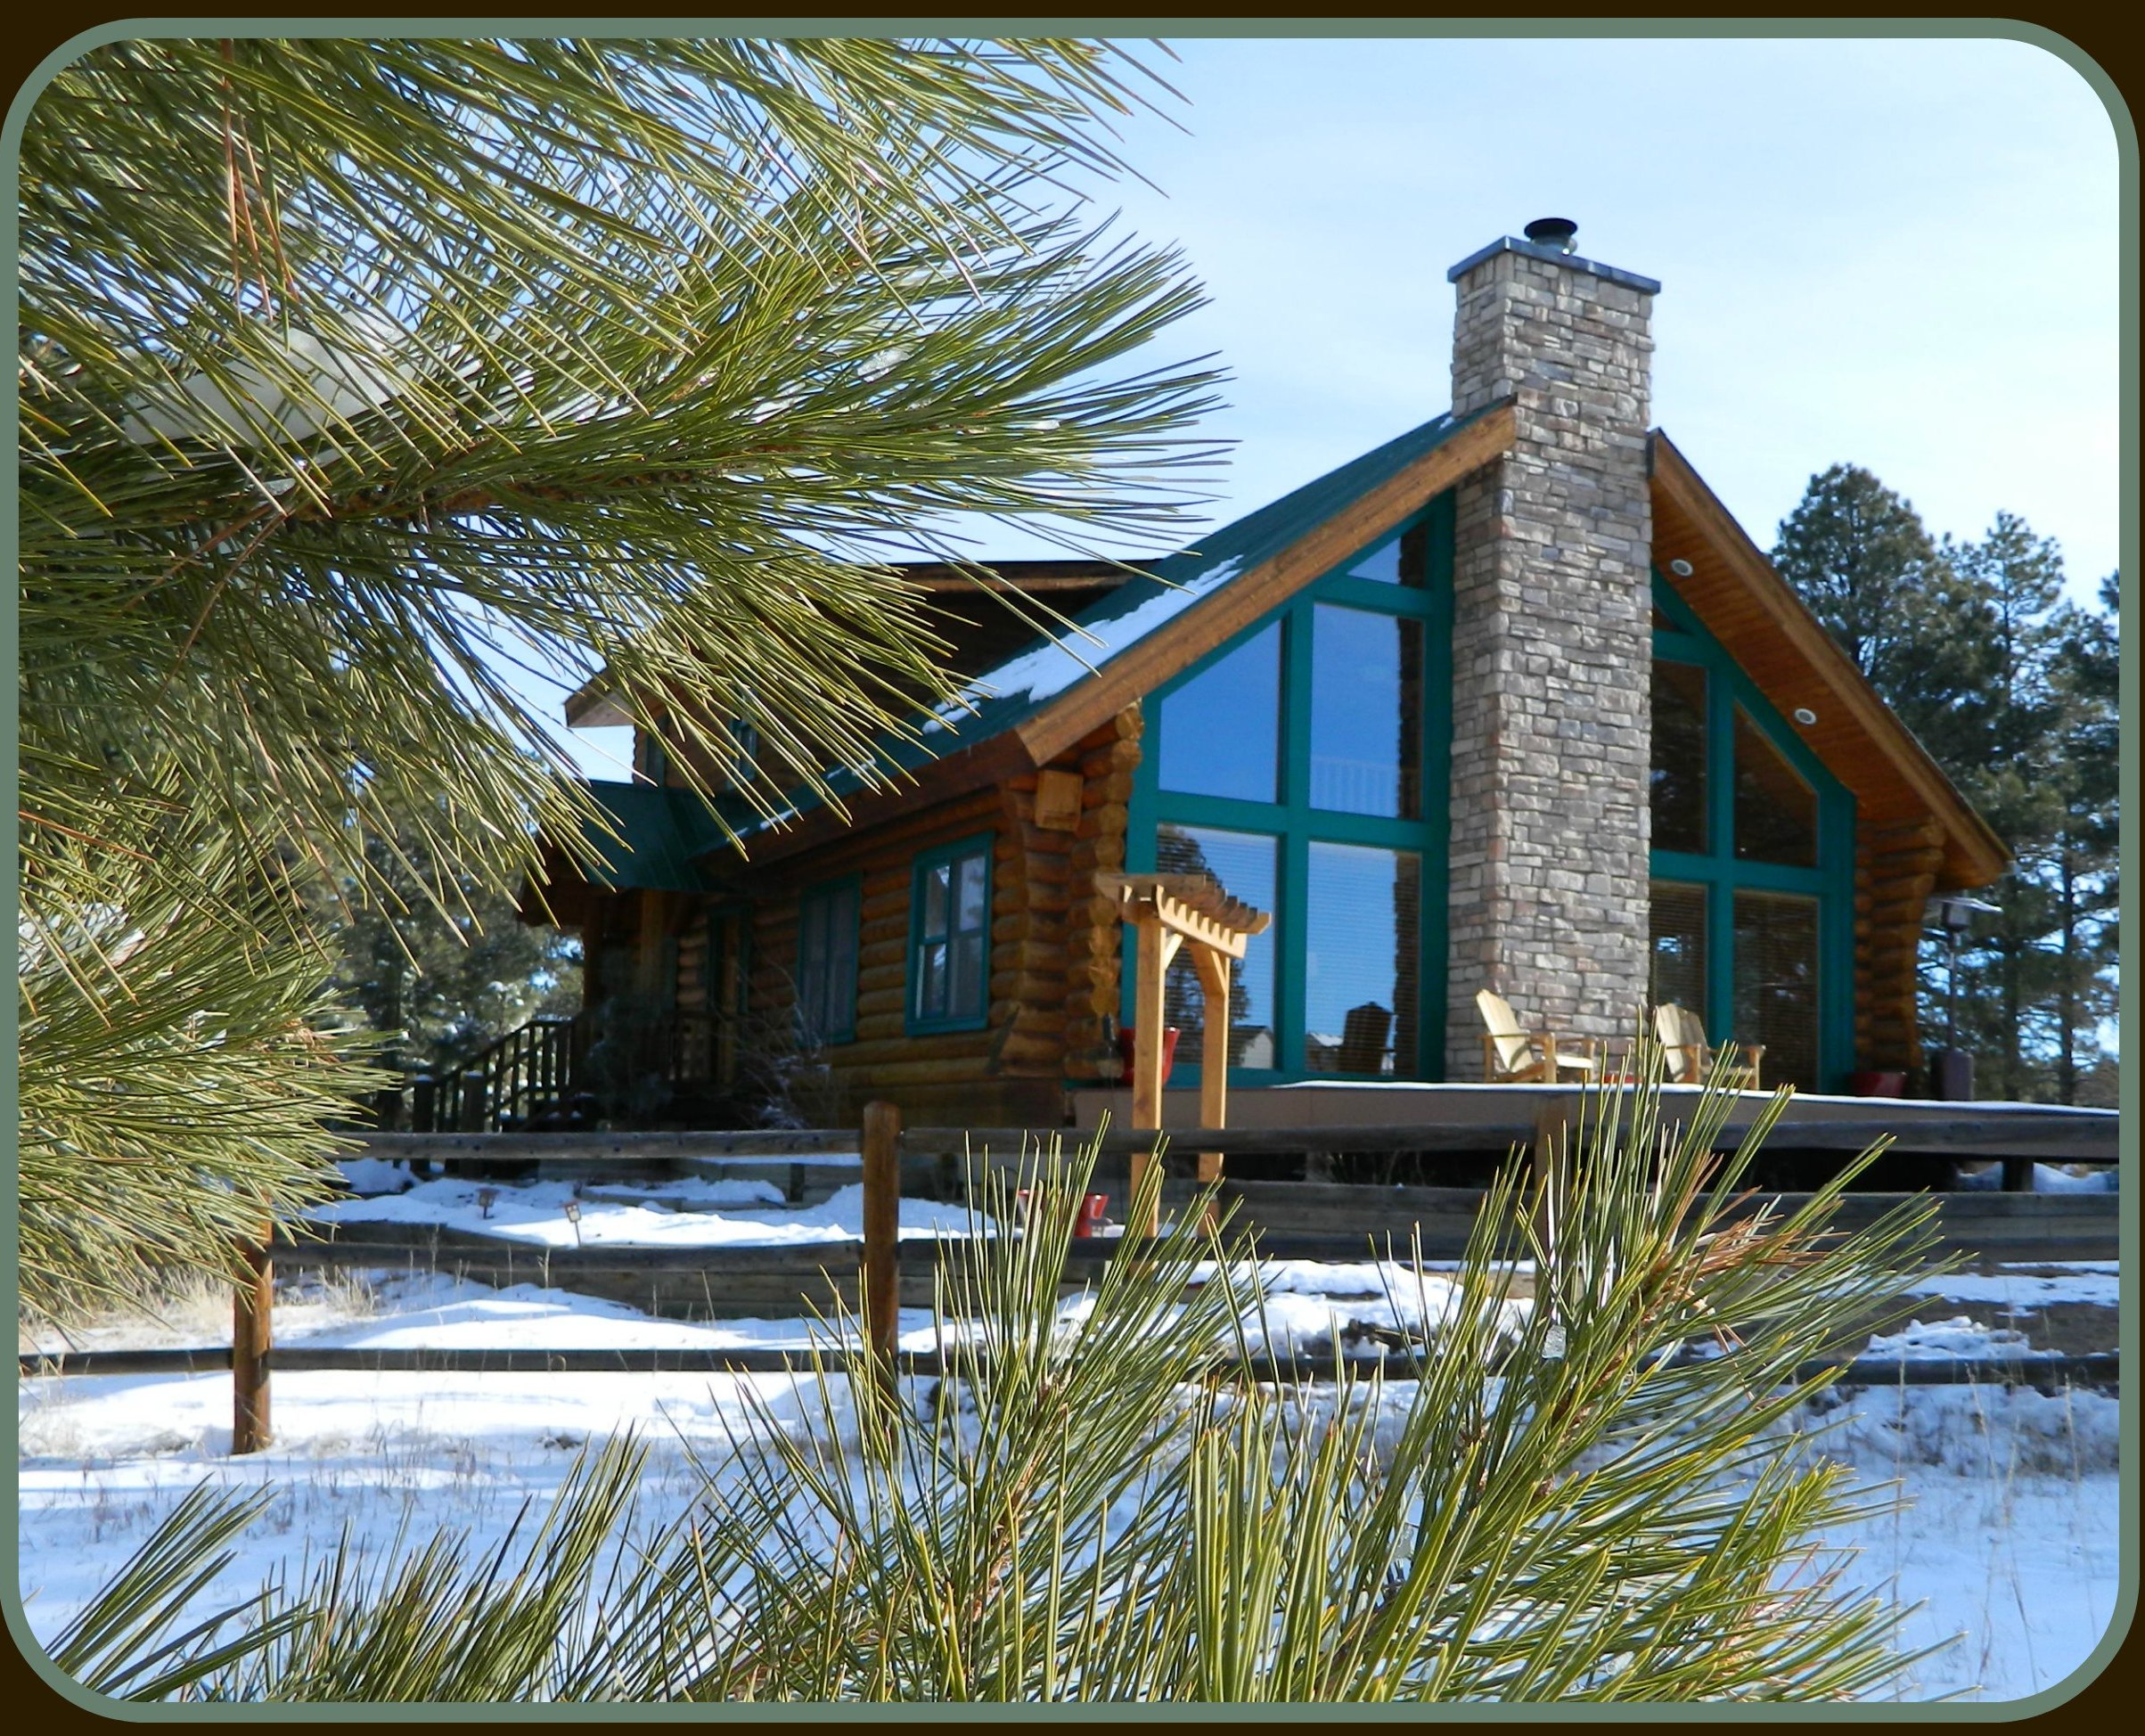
pixel 917 1020
pixel 829 913
pixel 1729 689
pixel 1298 825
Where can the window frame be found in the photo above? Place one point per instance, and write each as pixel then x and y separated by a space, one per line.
pixel 1297 824
pixel 1723 873
pixel 916 1024
pixel 822 894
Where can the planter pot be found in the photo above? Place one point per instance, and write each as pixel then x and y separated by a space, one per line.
pixel 1877 1085
pixel 1170 1051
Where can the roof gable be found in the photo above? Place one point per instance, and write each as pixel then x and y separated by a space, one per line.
pixel 1784 649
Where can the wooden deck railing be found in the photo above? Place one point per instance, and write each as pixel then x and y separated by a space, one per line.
pixel 1322 1222
pixel 539 1068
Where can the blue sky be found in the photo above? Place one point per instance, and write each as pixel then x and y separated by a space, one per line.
pixel 1899 253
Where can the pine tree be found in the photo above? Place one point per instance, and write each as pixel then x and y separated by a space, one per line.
pixel 352 370
pixel 437 985
pixel 1859 555
pixel 2012 691
pixel 2086 868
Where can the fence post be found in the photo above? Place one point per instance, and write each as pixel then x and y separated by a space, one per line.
pixel 423 1108
pixel 251 1338
pixel 881 1297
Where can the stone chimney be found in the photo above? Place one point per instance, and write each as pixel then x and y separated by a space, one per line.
pixel 1551 646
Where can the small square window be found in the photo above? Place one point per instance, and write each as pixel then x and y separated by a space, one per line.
pixel 949 938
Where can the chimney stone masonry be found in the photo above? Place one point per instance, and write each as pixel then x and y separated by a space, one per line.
pixel 1551 649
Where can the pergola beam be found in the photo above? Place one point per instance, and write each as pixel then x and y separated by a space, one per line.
pixel 1167 912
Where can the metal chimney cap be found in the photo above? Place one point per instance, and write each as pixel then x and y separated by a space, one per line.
pixel 1560 232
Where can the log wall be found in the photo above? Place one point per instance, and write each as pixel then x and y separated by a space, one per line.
pixel 1895 869
pixel 1053 947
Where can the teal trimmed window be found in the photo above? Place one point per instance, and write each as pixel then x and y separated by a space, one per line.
pixel 1303 764
pixel 950 937
pixel 1752 918
pixel 828 917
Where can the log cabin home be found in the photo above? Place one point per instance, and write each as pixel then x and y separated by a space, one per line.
pixel 1510 701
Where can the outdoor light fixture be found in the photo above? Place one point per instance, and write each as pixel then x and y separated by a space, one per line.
pixel 1955 916
pixel 1681 569
pixel 1955 913
pixel 1804 715
pixel 573 1216
pixel 486 1199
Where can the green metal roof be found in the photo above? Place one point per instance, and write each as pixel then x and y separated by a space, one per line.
pixel 661 834
pixel 1019 686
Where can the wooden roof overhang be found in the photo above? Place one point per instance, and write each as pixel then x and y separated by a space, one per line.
pixel 1783 648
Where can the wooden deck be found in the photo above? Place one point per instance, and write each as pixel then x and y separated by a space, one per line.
pixel 1494 1116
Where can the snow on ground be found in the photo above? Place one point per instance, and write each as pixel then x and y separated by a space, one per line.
pixel 2011 1536
pixel 2048 1178
pixel 535 1213
pixel 2024 1291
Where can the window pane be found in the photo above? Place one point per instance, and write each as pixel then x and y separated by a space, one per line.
pixel 1400 562
pixel 936 880
pixel 1775 811
pixel 966 970
pixel 1245 863
pixel 1776 984
pixel 843 919
pixel 930 979
pixel 1679 758
pixel 812 966
pixel 971 913
pixel 1363 954
pixel 1366 713
pixel 1221 731
pixel 1677 968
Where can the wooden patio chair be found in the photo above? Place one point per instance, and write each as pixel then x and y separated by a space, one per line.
pixel 1689 1057
pixel 1511 1055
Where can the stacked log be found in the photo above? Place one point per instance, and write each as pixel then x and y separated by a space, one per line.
pixel 692 993
pixel 1895 869
pixel 1107 760
pixel 883 1058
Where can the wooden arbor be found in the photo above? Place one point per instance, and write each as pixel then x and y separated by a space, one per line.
pixel 1168 911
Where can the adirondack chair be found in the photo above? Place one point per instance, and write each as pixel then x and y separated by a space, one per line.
pixel 1689 1057
pixel 1511 1055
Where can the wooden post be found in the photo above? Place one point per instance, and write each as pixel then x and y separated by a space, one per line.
pixel 1153 946
pixel 251 1338
pixel 1554 1125
pixel 1214 1056
pixel 1150 965
pixel 881 1295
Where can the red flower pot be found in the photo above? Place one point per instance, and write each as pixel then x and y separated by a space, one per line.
pixel 1170 1033
pixel 1877 1085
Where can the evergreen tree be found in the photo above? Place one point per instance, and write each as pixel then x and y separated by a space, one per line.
pixel 437 985
pixel 2012 691
pixel 352 369
pixel 1861 557
pixel 2082 867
